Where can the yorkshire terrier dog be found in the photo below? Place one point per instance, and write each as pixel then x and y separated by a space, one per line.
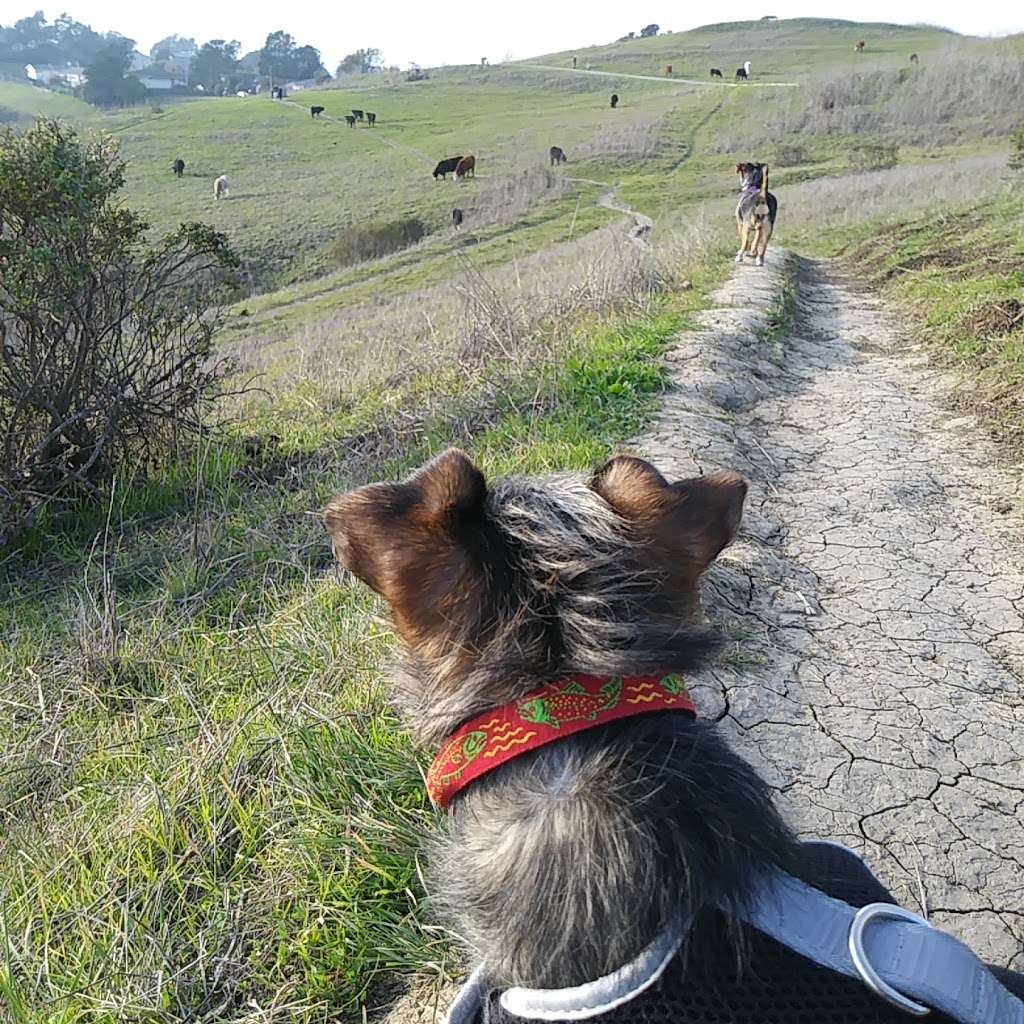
pixel 605 853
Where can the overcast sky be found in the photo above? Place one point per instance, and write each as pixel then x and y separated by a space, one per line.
pixel 432 32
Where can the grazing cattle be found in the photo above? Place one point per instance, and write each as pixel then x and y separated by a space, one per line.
pixel 178 167
pixel 371 119
pixel 914 59
pixel 315 111
pixel 466 167
pixel 746 67
pixel 741 74
pixel 859 48
pixel 615 100
pixel 446 167
pixel 557 155
pixel 716 72
pixel 220 187
pixel 457 218
pixel 357 114
pixel 350 121
pixel 668 70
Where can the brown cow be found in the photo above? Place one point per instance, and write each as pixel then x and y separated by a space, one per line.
pixel 859 48
pixel 466 166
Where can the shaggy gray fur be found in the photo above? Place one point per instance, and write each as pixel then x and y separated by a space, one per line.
pixel 560 866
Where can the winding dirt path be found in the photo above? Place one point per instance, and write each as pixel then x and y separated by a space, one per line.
pixel 876 591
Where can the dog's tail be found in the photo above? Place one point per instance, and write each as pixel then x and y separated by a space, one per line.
pixel 764 183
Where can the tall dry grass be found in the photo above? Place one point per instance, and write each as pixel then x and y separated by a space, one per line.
pixel 965 91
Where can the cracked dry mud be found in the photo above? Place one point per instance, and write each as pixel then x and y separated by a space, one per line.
pixel 876 592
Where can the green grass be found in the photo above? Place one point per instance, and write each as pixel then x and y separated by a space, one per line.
pixel 959 274
pixel 32 101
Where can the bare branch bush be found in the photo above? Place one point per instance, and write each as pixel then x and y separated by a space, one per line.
pixel 105 339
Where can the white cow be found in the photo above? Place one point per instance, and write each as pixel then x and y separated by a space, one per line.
pixel 746 67
pixel 220 187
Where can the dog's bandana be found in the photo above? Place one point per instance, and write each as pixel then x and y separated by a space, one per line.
pixel 546 714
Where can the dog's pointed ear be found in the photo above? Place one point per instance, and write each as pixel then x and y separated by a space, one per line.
pixel 690 520
pixel 392 534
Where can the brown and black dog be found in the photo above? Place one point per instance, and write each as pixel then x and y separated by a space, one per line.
pixel 755 212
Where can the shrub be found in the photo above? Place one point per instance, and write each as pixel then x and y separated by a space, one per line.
pixel 875 157
pixel 105 334
pixel 1017 148
pixel 790 156
pixel 361 242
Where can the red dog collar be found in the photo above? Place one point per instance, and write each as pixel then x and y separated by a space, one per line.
pixel 548 713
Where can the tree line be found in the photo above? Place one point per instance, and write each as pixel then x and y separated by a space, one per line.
pixel 216 67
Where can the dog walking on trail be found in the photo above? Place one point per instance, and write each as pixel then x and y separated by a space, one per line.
pixel 755 212
pixel 604 854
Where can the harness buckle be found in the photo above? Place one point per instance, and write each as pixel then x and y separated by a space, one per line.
pixel 862 964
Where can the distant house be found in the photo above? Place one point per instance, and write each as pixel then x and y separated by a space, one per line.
pixel 139 61
pixel 305 83
pixel 161 77
pixel 72 75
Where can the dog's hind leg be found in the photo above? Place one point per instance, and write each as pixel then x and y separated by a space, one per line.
pixel 744 229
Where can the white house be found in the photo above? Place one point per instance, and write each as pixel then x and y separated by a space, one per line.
pixel 72 75
pixel 161 77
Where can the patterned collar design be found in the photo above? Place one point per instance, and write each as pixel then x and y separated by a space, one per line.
pixel 548 713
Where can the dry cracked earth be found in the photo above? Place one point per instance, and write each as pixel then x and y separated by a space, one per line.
pixel 876 593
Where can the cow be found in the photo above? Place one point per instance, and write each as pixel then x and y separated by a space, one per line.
pixel 357 114
pixel 859 48
pixel 220 187
pixel 716 72
pixel 557 155
pixel 914 59
pixel 350 121
pixel 466 167
pixel 178 167
pixel 615 100
pixel 315 111
pixel 371 118
pixel 457 218
pixel 668 70
pixel 446 167
pixel 741 74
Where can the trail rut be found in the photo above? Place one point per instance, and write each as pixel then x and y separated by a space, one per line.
pixel 876 593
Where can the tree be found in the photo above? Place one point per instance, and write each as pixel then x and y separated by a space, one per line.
pixel 105 332
pixel 281 58
pixel 216 61
pixel 360 63
pixel 171 45
pixel 649 30
pixel 107 84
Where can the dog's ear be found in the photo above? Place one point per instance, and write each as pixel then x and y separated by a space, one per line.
pixel 409 540
pixel 741 168
pixel 689 521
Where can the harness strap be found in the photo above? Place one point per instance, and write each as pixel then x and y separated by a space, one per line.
pixel 922 964
pixel 898 955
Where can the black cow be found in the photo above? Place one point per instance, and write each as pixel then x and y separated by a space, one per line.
pixel 178 167
pixel 741 73
pixel 558 155
pixel 371 118
pixel 914 59
pixel 446 167
pixel 615 100
pixel 716 72
pixel 457 217
pixel 316 111
pixel 357 114
pixel 350 121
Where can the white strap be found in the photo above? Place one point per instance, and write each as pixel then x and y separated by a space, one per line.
pixel 925 965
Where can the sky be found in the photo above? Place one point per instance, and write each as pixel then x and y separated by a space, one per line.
pixel 429 32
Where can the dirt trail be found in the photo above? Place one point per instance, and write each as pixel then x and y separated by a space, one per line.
pixel 877 591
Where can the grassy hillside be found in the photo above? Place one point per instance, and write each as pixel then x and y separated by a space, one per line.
pixel 28 101
pixel 786 50
pixel 207 811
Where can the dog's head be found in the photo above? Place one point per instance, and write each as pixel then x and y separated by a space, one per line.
pixel 554 566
